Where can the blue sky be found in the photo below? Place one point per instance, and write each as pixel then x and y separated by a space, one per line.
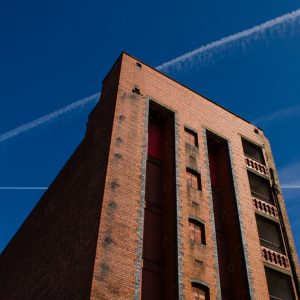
pixel 54 53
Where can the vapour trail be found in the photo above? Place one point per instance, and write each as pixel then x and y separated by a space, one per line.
pixel 290 186
pixel 49 117
pixel 257 32
pixel 283 114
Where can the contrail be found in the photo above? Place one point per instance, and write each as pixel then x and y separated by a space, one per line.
pixel 49 117
pixel 279 115
pixel 290 186
pixel 255 33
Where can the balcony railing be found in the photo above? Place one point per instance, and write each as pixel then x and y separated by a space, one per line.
pixel 265 207
pixel 256 166
pixel 275 258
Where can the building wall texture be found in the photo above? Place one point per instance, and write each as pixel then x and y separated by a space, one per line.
pixel 84 239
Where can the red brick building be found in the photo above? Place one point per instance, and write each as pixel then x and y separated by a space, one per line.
pixel 169 196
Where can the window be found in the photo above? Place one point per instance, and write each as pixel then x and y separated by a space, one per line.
pixel 200 292
pixel 280 285
pixel 269 234
pixel 155 141
pixel 197 232
pixel 253 151
pixel 193 179
pixel 154 185
pixel 190 137
pixel 260 188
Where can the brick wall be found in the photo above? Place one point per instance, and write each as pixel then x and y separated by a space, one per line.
pixel 62 249
pixel 195 111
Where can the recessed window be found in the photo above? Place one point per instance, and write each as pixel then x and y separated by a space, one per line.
pixel 193 179
pixel 260 188
pixel 197 232
pixel 190 137
pixel 280 285
pixel 253 151
pixel 155 141
pixel 200 292
pixel 269 234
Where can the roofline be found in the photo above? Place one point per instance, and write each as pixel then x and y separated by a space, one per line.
pixel 213 102
pixel 115 63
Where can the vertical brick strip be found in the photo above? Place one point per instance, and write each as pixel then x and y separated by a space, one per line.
pixel 178 208
pixel 138 263
pixel 242 230
pixel 212 217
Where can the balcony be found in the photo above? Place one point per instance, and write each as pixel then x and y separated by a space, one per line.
pixel 265 207
pixel 256 166
pixel 275 258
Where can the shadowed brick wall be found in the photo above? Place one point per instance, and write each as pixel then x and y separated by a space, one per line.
pixel 52 255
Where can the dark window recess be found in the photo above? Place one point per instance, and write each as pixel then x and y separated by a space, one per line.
pixel 193 179
pixel 159 271
pixel 155 141
pixel 269 234
pixel 231 261
pixel 214 172
pixel 190 137
pixel 153 243
pixel 197 232
pixel 260 188
pixel 279 285
pixel 200 292
pixel 253 151
pixel 154 185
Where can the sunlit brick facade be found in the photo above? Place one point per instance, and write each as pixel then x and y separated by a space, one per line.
pixel 169 196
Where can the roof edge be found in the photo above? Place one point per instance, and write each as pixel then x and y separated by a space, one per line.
pixel 193 91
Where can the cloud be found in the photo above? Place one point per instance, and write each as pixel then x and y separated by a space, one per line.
pixel 279 115
pixel 49 117
pixel 276 26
